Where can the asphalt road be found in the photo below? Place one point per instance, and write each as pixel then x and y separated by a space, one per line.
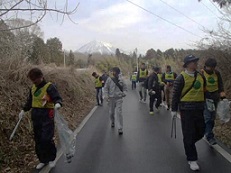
pixel 145 146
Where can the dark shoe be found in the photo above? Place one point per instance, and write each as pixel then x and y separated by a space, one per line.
pixel 112 125
pixel 99 104
pixel 120 131
pixel 212 141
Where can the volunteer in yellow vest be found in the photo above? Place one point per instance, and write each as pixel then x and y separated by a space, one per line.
pixel 98 87
pixel 188 97
pixel 214 91
pixel 134 79
pixel 43 99
pixel 142 75
pixel 168 78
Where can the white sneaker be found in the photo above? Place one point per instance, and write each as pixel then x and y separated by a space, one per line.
pixel 52 164
pixel 40 165
pixel 193 165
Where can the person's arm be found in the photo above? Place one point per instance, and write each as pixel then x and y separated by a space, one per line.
pixel 147 72
pixel 54 94
pixel 177 89
pixel 150 82
pixel 220 82
pixel 175 75
pixel 138 76
pixel 28 104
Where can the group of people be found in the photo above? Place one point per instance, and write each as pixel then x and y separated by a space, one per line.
pixel 195 94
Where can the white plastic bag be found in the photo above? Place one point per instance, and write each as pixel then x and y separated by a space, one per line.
pixel 66 136
pixel 223 110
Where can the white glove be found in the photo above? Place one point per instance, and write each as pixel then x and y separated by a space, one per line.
pixel 21 114
pixel 57 106
pixel 174 114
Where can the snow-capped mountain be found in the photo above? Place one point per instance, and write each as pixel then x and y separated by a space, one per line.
pixel 97 47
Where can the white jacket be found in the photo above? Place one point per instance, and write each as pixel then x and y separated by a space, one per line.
pixel 111 90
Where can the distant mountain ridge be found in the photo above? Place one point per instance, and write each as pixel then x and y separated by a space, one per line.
pixel 100 47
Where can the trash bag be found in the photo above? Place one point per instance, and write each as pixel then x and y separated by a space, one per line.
pixel 67 137
pixel 223 110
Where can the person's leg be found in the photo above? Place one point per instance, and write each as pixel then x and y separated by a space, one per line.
pixel 119 116
pixel 140 91
pixel 97 95
pixel 158 96
pixel 101 95
pixel 209 118
pixel 151 103
pixel 112 107
pixel 144 93
pixel 189 133
pixel 200 125
pixel 167 97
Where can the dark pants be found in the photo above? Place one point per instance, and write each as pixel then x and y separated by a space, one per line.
pixel 43 124
pixel 133 84
pixel 193 128
pixel 99 95
pixel 152 100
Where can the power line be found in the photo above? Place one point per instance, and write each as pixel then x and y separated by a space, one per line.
pixel 210 10
pixel 215 6
pixel 163 18
pixel 182 13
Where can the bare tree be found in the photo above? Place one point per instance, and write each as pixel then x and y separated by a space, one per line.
pixel 33 10
pixel 221 3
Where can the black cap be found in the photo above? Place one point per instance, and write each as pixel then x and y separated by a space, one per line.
pixel 156 69
pixel 94 73
pixel 188 59
pixel 211 62
pixel 116 70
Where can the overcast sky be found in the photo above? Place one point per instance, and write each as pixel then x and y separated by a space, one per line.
pixel 126 26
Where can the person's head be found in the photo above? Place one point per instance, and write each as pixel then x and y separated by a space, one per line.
pixel 115 71
pixel 210 64
pixel 168 68
pixel 142 66
pixel 190 62
pixel 35 75
pixel 94 74
pixel 156 69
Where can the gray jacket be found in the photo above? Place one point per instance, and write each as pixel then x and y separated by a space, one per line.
pixel 111 90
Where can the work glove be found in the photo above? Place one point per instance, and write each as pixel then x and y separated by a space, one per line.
pixel 151 92
pixel 57 106
pixel 174 114
pixel 21 114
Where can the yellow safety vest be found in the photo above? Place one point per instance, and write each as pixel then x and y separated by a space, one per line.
pixel 196 94
pixel 169 76
pixel 143 73
pixel 98 83
pixel 134 77
pixel 40 96
pixel 211 81
pixel 160 79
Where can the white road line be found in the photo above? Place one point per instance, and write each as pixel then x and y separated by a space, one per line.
pixel 60 152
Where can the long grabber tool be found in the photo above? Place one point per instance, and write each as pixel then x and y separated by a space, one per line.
pixel 15 128
pixel 173 126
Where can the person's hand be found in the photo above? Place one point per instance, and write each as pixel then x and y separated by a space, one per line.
pixel 57 106
pixel 222 95
pixel 21 114
pixel 174 114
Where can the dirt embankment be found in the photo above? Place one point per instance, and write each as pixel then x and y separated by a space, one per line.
pixel 77 91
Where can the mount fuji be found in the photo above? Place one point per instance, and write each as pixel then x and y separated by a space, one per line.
pixel 97 47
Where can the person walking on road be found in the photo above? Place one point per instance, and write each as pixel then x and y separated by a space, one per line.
pixel 43 99
pixel 214 91
pixel 189 97
pixel 168 78
pixel 134 79
pixel 162 84
pixel 115 90
pixel 98 88
pixel 142 75
pixel 154 90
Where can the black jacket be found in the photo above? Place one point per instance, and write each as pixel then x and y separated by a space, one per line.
pixel 177 89
pixel 153 83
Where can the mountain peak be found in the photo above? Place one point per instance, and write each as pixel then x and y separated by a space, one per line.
pixel 97 47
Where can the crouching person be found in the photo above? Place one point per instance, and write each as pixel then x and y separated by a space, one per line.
pixel 42 100
pixel 115 89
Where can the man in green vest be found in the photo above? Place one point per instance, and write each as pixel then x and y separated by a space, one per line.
pixel 43 99
pixel 142 75
pixel 134 79
pixel 214 91
pixel 98 88
pixel 189 97
pixel 168 78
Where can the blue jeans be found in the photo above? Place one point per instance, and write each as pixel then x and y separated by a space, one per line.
pixel 209 123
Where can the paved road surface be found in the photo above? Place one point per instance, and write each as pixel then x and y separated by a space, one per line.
pixel 145 146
